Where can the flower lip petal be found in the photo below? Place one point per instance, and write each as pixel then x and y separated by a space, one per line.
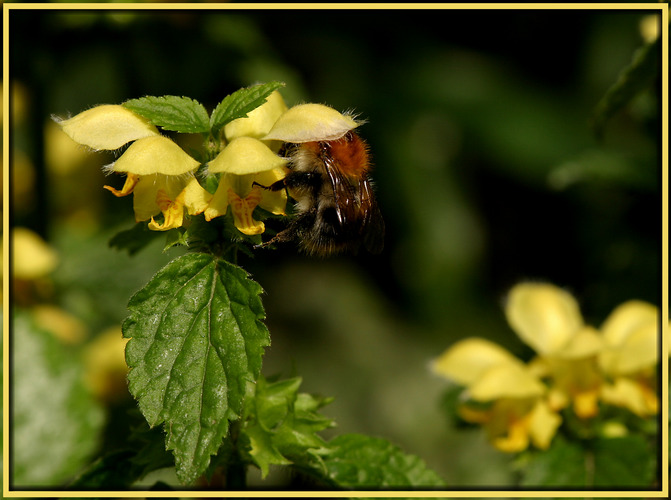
pixel 155 155
pixel 245 155
pixel 311 122
pixel 108 126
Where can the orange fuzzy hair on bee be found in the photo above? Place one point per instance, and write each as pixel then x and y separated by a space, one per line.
pixel 351 154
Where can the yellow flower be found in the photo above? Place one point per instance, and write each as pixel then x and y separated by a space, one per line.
pixel 161 177
pixel 515 412
pixel 548 319
pixel 245 162
pixel 105 365
pixel 158 172
pixel 259 121
pixel 32 258
pixel 630 357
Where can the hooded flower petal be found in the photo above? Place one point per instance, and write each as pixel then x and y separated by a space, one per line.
pixel 107 127
pixel 468 359
pixel 258 121
pixel 506 381
pixel 544 316
pixel 245 155
pixel 155 155
pixel 311 122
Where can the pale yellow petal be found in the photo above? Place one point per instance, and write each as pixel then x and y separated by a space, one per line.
pixel 543 425
pixel 107 127
pixel 628 394
pixel 258 121
pixel 105 365
pixel 468 359
pixel 311 122
pixel 273 201
pixel 543 315
pixel 516 440
pixel 65 326
pixel 155 155
pixel 245 155
pixel 506 381
pixel 626 319
pixel 586 342
pixel 32 257
pixel 218 205
pixel 243 209
pixel 586 403
pixel 173 212
pixel 146 192
pixel 196 198
pixel 638 352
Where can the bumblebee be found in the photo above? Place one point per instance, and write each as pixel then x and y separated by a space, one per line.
pixel 336 208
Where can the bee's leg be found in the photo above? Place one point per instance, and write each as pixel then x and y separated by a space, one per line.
pixel 275 186
pixel 296 229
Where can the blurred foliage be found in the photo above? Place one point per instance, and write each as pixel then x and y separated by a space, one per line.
pixel 487 172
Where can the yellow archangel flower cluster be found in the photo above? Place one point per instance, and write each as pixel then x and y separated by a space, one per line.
pixel 577 366
pixel 162 177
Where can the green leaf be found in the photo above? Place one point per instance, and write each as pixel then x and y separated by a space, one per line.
pixel 611 463
pixel 282 426
pixel 363 462
pixel 563 465
pixel 56 423
pixel 637 76
pixel 112 471
pixel 180 114
pixel 624 462
pixel 120 469
pixel 197 338
pixel 241 102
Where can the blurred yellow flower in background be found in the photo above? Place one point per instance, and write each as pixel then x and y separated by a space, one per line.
pixel 548 319
pixel 630 357
pixel 576 366
pixel 515 412
pixel 105 365
pixel 32 257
